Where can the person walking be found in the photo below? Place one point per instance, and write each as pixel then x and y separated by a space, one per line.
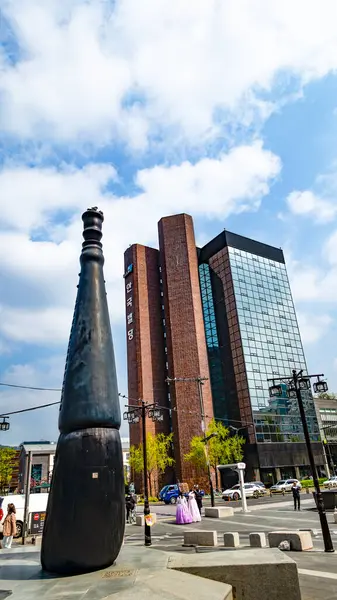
pixel 296 495
pixel 198 497
pixel 130 504
pixel 193 507
pixel 9 526
pixel 183 516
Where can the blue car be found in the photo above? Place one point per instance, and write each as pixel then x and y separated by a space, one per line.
pixel 170 493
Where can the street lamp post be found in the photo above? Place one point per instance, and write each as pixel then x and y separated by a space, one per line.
pixel 200 382
pixel 296 383
pixel 133 416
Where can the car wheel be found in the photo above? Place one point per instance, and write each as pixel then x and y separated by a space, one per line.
pixel 173 500
pixel 236 496
pixel 18 529
pixel 256 494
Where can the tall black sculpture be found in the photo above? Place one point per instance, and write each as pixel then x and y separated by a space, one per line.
pixel 85 520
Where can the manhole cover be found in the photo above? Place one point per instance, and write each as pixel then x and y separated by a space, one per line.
pixel 5 593
pixel 115 574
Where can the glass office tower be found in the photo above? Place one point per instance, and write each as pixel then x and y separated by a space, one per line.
pixel 271 343
pixel 252 335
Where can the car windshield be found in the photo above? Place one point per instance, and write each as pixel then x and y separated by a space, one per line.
pixel 281 482
pixel 236 487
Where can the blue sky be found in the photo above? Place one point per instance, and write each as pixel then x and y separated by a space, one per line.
pixel 225 110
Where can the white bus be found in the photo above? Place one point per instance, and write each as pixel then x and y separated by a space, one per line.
pixel 37 503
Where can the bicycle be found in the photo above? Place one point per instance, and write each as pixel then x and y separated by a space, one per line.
pixel 132 516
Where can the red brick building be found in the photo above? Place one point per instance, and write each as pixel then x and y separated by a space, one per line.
pixel 166 336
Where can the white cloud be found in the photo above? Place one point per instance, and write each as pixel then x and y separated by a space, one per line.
pixel 48 193
pixel 81 63
pixel 309 204
pixel 215 188
pixel 315 282
pixel 313 327
pixel 50 325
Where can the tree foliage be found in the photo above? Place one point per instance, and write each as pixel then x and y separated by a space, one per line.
pixel 158 456
pixel 6 466
pixel 327 396
pixel 222 449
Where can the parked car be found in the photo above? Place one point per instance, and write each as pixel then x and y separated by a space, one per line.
pixel 37 503
pixel 331 483
pixel 171 493
pixel 162 492
pixel 251 490
pixel 261 486
pixel 284 485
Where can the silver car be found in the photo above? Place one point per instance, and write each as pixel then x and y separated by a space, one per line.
pixel 331 483
pixel 284 485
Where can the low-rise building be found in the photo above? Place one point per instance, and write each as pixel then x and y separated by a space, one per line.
pixel 43 455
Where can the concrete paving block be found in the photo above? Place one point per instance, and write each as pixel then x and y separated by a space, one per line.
pixel 298 540
pixel 262 574
pixel 140 520
pixel 231 539
pixel 167 584
pixel 257 540
pixel 220 512
pixel 200 538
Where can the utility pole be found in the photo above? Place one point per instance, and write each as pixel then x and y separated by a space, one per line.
pixel 200 382
pixel 296 383
pixel 147 531
pixel 29 461
pixel 133 416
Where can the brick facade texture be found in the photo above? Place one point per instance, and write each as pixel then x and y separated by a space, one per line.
pixel 145 351
pixel 185 336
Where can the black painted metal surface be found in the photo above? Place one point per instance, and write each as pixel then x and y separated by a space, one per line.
pixel 85 519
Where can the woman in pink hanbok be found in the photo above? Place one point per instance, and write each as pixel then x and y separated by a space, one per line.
pixel 183 516
pixel 193 508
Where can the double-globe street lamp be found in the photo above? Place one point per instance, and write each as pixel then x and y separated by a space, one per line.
pixel 133 416
pixel 297 383
pixel 4 425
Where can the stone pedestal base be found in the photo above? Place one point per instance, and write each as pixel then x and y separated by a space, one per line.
pixel 85 520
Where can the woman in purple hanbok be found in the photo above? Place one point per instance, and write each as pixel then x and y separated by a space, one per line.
pixel 193 508
pixel 183 516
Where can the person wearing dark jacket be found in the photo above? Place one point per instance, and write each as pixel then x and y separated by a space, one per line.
pixel 130 504
pixel 296 495
pixel 198 497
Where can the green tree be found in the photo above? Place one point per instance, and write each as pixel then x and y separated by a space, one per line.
pixel 7 456
pixel 157 456
pixel 327 396
pixel 222 448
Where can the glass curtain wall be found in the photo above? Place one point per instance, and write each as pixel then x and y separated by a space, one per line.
pixel 271 344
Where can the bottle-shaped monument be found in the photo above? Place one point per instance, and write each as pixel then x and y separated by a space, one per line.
pixel 85 519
